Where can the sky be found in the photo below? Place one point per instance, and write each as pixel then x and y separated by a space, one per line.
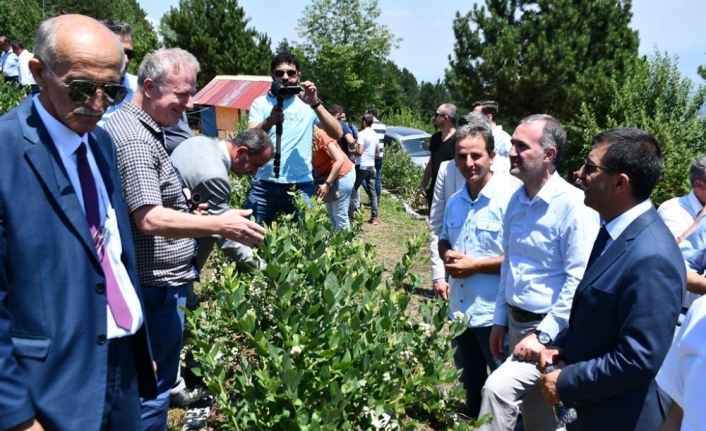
pixel 427 33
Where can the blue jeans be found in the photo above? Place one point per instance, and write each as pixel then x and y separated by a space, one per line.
pixel 165 320
pixel 367 179
pixel 338 209
pixel 266 198
pixel 473 357
pixel 378 176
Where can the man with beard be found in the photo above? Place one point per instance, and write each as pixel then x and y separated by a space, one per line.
pixel 471 247
pixel 547 241
pixel 626 306
pixel 74 351
pixel 269 193
pixel 441 146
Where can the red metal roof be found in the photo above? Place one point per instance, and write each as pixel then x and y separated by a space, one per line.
pixel 233 91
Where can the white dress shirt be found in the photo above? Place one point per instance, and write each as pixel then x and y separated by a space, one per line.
pixel 547 242
pixel 25 75
pixel 683 372
pixel 66 142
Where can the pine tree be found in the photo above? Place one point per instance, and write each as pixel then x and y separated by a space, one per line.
pixel 217 33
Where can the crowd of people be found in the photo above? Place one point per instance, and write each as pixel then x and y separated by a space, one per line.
pixel 109 208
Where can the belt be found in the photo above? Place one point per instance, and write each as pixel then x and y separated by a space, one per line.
pixel 523 316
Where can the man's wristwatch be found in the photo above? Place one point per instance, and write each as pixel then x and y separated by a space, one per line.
pixel 544 338
pixel 328 184
pixel 316 105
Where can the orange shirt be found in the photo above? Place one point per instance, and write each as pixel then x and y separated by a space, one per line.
pixel 321 160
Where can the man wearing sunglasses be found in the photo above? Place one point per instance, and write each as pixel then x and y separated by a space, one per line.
pixel 74 352
pixel 626 306
pixel 269 194
pixel 124 32
pixel 441 146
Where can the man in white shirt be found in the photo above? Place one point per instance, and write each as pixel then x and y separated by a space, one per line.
pixel 366 148
pixel 547 240
pixel 24 56
pixel 124 32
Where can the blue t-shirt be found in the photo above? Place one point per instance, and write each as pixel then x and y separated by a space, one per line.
pixel 297 138
pixel 342 140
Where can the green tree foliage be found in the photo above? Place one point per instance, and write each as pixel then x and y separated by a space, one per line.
pixel 657 98
pixel 217 32
pixel 542 56
pixel 431 95
pixel 20 20
pixel 346 49
pixel 702 71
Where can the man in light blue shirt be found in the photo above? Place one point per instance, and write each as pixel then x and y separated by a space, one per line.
pixel 470 245
pixel 547 238
pixel 9 62
pixel 269 194
pixel 693 248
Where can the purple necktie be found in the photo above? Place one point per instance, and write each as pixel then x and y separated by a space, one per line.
pixel 116 301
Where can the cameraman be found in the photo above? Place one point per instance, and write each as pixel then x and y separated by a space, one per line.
pixel 268 195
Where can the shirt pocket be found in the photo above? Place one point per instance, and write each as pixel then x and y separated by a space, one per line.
pixel 490 234
pixel 454 228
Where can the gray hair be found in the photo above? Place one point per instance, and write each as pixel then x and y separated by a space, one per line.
pixel 45 43
pixel 698 170
pixel 157 65
pixel 553 134
pixel 120 28
pixel 255 140
pixel 450 110
pixel 477 129
pixel 475 119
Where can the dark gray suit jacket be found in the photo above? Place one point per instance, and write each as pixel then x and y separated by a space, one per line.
pixel 622 322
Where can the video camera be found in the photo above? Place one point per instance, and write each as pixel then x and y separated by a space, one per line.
pixel 282 91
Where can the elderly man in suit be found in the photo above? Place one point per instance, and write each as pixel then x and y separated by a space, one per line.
pixel 202 164
pixel 74 352
pixel 627 304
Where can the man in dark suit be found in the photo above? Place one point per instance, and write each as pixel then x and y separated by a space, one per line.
pixel 626 306
pixel 74 352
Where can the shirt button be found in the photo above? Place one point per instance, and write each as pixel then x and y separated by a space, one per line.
pixel 101 339
pixel 100 287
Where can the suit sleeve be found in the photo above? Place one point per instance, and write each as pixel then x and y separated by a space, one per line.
pixel 649 287
pixel 15 401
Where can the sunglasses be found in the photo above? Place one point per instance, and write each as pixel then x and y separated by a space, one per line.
pixel 438 114
pixel 589 168
pixel 280 73
pixel 130 53
pixel 80 90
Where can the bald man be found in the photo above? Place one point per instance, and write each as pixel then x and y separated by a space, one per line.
pixel 74 351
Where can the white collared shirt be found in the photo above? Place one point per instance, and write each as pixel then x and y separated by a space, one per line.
pixel 66 142
pixel 547 242
pixel 618 225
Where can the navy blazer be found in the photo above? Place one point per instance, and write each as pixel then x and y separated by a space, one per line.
pixel 621 325
pixel 53 349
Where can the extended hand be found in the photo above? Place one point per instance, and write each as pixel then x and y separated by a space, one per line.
pixel 422 192
pixel 276 116
pixel 528 348
pixel 549 357
pixel 310 96
pixel 238 228
pixel 441 288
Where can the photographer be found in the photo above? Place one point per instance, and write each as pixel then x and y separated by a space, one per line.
pixel 270 192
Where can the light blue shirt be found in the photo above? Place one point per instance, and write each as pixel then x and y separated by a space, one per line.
pixel 66 142
pixel 475 228
pixel 10 64
pixel 693 247
pixel 547 242
pixel 297 138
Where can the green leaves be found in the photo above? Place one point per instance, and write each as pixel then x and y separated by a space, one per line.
pixel 318 340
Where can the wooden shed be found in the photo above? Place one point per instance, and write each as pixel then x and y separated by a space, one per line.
pixel 225 100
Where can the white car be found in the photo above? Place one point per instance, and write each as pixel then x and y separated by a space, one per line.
pixel 414 142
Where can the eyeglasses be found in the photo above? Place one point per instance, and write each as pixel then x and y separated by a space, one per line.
pixel 438 114
pixel 80 90
pixel 280 73
pixel 130 53
pixel 590 167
